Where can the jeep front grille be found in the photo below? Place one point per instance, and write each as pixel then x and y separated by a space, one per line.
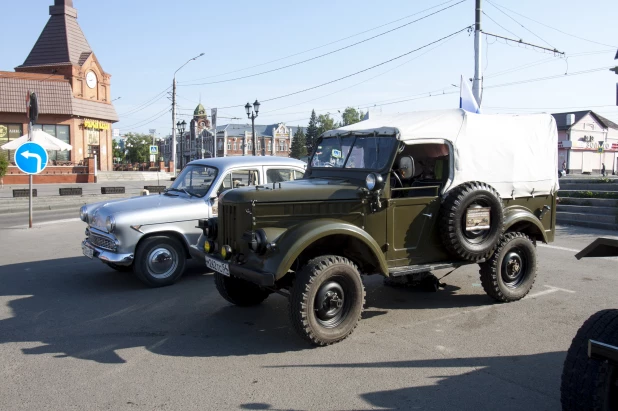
pixel 102 242
pixel 227 219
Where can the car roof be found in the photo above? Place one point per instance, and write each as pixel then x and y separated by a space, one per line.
pixel 223 163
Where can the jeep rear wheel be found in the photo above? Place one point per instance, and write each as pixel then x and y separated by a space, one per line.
pixel 327 299
pixel 240 292
pixel 511 271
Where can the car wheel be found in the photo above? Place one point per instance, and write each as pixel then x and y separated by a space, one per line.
pixel 240 292
pixel 326 300
pixel 589 384
pixel 511 271
pixel 159 261
pixel 120 268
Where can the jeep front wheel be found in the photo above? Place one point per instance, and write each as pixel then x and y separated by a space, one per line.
pixel 327 299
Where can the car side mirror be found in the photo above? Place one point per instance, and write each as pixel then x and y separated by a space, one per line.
pixel 406 167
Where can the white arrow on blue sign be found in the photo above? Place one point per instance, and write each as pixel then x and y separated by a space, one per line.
pixel 31 158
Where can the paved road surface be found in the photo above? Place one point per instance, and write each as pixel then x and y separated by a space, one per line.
pixel 77 335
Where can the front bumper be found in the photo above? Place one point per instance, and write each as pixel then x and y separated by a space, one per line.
pixel 261 278
pixel 109 256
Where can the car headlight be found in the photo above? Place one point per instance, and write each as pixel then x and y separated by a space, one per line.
pixel 373 181
pixel 83 214
pixel 110 224
pixel 258 242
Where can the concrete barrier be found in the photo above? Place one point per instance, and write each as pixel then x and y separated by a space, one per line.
pixel 112 190
pixel 24 192
pixel 70 191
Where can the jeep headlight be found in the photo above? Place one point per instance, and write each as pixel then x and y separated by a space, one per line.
pixel 110 224
pixel 83 214
pixel 373 181
pixel 211 228
pixel 259 241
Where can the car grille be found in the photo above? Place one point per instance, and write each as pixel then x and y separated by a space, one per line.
pixel 102 242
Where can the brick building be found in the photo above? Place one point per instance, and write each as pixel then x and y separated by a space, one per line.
pixel 73 93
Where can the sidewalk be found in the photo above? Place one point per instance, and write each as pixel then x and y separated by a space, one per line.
pixel 51 190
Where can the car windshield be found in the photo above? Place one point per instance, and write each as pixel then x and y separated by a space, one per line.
pixel 353 152
pixel 195 180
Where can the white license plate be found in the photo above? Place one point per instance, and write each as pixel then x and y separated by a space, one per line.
pixel 218 266
pixel 88 252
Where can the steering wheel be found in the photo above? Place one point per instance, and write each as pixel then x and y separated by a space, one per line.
pixel 394 173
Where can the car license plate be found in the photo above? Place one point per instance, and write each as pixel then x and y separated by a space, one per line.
pixel 218 266
pixel 88 252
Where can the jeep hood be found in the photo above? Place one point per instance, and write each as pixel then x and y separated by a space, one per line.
pixel 314 189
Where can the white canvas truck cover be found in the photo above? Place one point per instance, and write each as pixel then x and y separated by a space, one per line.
pixel 516 154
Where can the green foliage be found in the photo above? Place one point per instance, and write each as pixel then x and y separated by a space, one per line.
pixel 603 180
pixel 299 145
pixel 325 123
pixel 138 147
pixel 351 116
pixel 4 163
pixel 312 132
pixel 594 194
pixel 117 151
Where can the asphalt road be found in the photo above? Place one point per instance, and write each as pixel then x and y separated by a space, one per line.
pixel 76 335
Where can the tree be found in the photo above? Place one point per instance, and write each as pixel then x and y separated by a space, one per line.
pixel 138 147
pixel 4 163
pixel 299 145
pixel 351 116
pixel 117 151
pixel 312 132
pixel 325 123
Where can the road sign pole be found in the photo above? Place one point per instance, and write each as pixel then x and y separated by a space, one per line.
pixel 30 182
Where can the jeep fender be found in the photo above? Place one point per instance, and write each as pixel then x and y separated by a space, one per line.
pixel 514 217
pixel 295 240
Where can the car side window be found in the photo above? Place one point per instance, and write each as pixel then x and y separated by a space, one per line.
pixel 239 178
pixel 278 175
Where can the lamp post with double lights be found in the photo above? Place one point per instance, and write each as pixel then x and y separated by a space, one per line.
pixel 252 115
pixel 181 126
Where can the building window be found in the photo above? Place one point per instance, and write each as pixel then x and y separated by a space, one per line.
pixel 234 145
pixel 249 145
pixel 270 146
pixel 229 145
pixel 281 145
pixel 258 145
pixel 62 133
pixel 10 132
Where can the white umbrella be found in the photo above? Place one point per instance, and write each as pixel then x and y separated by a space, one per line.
pixel 46 140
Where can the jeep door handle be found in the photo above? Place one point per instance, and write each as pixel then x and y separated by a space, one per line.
pixel 428 215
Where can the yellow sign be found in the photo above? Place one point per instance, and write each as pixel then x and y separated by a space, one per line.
pixel 3 130
pixel 96 124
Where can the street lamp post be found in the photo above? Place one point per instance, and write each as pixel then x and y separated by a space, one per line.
pixel 174 112
pixel 181 125
pixel 252 115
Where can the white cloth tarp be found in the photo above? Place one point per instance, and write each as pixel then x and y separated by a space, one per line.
pixel 46 140
pixel 516 154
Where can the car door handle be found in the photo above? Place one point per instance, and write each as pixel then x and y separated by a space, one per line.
pixel 428 215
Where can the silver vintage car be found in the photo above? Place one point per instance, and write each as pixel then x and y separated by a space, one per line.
pixel 152 235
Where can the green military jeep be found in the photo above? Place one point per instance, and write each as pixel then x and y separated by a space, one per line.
pixel 397 196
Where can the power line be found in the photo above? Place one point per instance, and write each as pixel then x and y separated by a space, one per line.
pixel 358 72
pixel 500 25
pixel 324 45
pixel 148 103
pixel 146 121
pixel 325 54
pixel 525 28
pixel 553 28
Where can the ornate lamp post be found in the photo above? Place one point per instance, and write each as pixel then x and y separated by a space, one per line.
pixel 252 116
pixel 181 126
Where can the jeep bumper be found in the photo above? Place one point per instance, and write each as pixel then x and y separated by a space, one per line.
pixel 254 276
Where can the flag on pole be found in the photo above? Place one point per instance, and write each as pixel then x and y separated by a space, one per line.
pixel 466 98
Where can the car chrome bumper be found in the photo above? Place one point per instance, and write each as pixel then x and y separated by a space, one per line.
pixel 197 252
pixel 109 256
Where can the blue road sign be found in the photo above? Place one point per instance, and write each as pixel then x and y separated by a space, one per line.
pixel 31 158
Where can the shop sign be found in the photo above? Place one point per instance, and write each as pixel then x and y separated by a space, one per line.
pixel 96 124
pixel 3 131
pixel 588 145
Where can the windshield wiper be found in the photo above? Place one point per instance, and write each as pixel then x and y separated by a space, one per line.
pixel 182 190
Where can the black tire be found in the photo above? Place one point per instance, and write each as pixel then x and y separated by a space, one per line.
pixel 120 268
pixel 471 245
pixel 591 384
pixel 336 283
pixel 511 271
pixel 240 292
pixel 159 261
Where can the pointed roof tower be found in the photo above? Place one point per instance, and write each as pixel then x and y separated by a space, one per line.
pixel 62 41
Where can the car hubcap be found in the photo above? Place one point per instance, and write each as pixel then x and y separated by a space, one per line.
pixel 330 304
pixel 162 262
pixel 513 268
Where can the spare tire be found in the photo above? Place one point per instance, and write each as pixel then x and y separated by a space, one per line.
pixel 458 235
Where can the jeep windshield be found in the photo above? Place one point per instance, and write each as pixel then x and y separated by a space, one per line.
pixel 194 180
pixel 356 152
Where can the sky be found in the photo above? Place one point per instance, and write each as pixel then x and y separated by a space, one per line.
pixel 142 43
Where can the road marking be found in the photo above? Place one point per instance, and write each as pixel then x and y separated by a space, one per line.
pixel 66 220
pixel 560 289
pixel 555 247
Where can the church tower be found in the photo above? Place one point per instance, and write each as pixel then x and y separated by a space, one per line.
pixel 201 119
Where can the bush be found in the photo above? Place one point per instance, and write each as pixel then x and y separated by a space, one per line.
pixel 594 194
pixel 4 163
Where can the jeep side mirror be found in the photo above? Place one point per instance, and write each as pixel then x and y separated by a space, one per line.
pixel 406 167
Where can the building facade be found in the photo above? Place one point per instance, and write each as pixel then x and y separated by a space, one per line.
pixel 73 92
pixel 586 141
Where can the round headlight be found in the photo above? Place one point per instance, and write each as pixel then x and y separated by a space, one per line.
pixel 226 252
pixel 83 214
pixel 110 224
pixel 370 181
pixel 258 241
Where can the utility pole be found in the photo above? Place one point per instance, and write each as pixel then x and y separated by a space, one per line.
pixel 174 126
pixel 477 85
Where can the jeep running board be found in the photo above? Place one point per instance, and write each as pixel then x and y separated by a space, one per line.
pixel 421 268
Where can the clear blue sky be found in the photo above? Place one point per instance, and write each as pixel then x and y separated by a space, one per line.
pixel 141 43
